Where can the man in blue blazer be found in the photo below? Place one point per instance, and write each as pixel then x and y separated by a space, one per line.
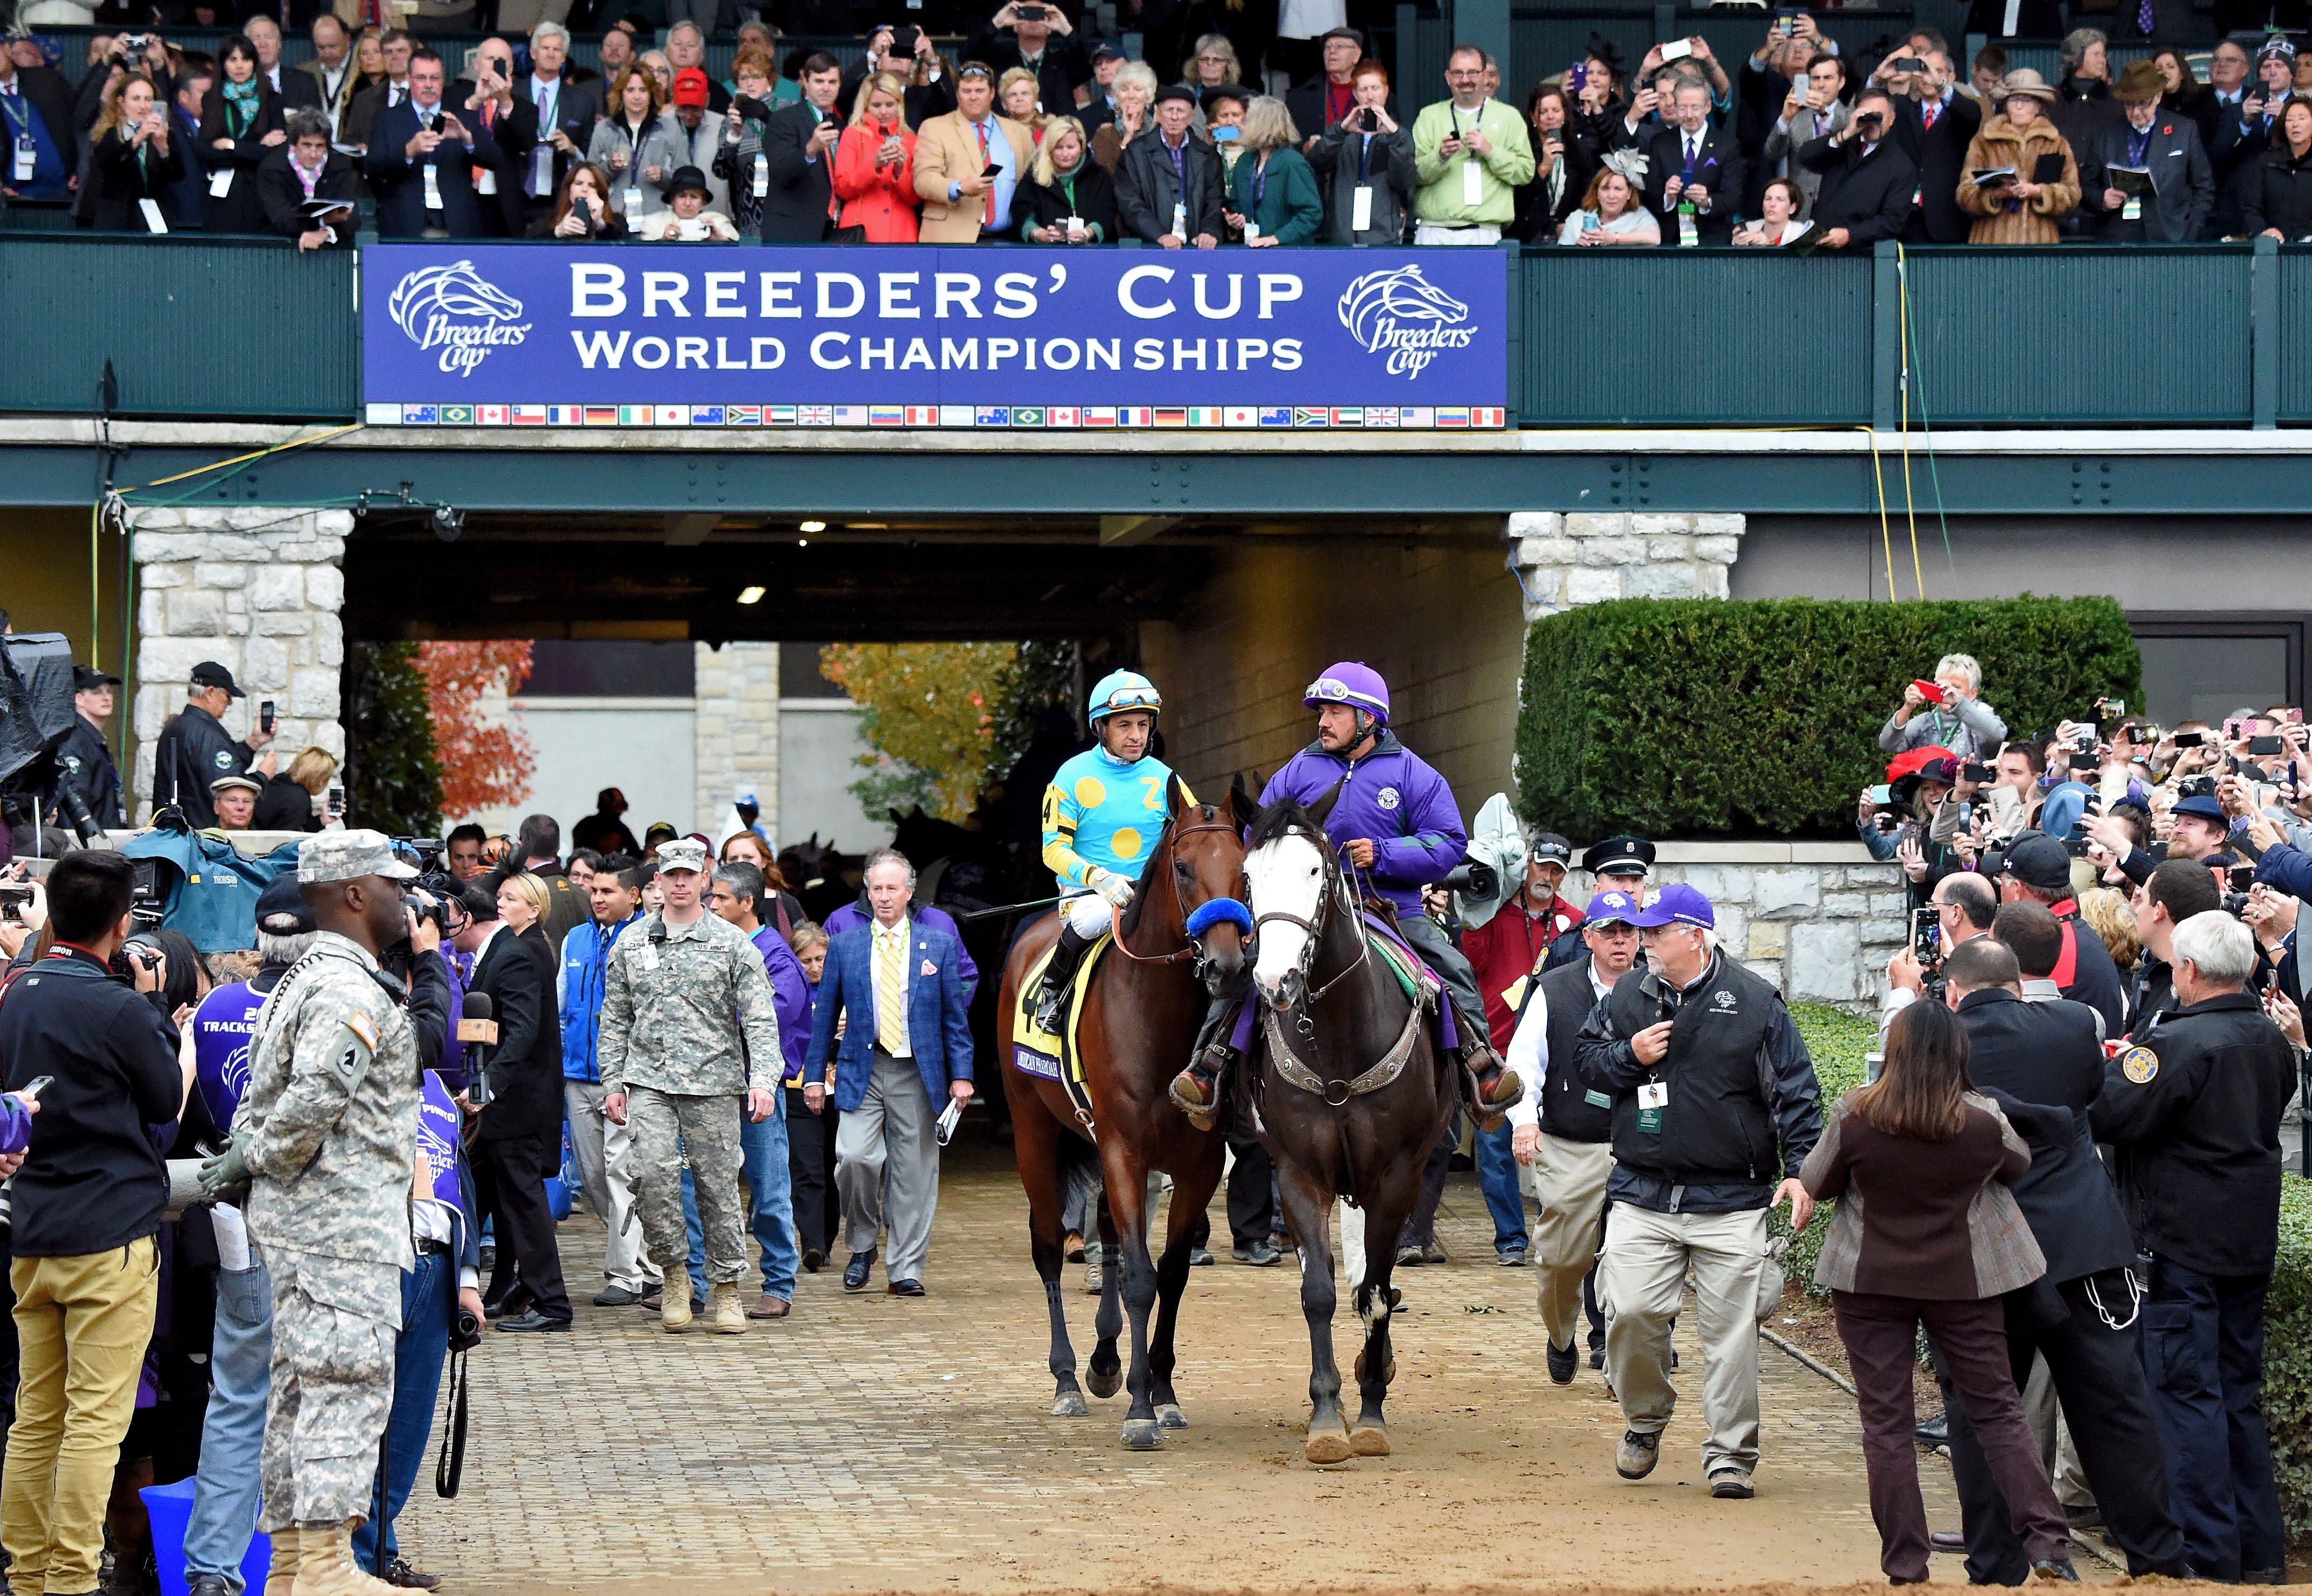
pixel 897 984
pixel 421 161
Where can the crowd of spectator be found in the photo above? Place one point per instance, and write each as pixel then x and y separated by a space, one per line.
pixel 1230 129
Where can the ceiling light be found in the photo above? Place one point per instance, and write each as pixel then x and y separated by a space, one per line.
pixel 751 595
pixel 814 527
pixel 803 543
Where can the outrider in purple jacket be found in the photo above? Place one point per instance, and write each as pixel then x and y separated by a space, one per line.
pixel 1394 799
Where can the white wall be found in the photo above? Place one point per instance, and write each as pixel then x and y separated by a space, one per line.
pixel 640 746
pixel 818 759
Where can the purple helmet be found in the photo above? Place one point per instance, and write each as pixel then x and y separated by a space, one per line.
pixel 1353 682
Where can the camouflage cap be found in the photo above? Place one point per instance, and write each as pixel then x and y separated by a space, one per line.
pixel 348 855
pixel 682 853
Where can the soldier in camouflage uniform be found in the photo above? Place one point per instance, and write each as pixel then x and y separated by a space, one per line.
pixel 686 1007
pixel 325 1137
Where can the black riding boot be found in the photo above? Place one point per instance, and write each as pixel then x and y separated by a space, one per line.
pixel 1058 976
pixel 1197 1088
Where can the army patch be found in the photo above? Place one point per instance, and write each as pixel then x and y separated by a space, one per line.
pixel 360 1025
pixel 2139 1065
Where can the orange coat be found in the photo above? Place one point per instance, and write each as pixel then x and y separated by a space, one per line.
pixel 2030 222
pixel 880 199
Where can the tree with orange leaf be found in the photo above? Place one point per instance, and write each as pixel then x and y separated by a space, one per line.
pixel 481 766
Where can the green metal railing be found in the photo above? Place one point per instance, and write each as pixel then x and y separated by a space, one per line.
pixel 2146 335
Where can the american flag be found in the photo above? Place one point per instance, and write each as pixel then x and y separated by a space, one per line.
pixel 491 416
pixel 420 415
pixel 850 415
pixel 1418 415
pixel 814 415
pixel 530 416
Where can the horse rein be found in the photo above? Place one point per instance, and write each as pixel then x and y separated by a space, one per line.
pixel 1115 915
pixel 1316 929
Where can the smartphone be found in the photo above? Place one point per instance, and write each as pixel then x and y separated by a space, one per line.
pixel 264 714
pixel 1028 14
pixel 1785 23
pixel 583 208
pixel 1926 934
pixel 2235 728
pixel 35 1086
pixel 1371 123
pixel 990 170
pixel 2263 746
pixel 2242 877
pixel 2112 708
pixel 1882 795
pixel 1931 691
pixel 2086 762
pixel 2189 739
pixel 1677 49
pixel 1577 77
pixel 337 800
pixel 903 43
pixel 1226 136
pixel 1909 64
pixel 1974 770
pixel 2292 717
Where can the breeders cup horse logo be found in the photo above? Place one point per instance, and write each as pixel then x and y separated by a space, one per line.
pixel 451 309
pixel 1401 313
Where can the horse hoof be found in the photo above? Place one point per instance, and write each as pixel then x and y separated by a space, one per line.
pixel 1069 1404
pixel 1103 1381
pixel 1143 1434
pixel 1327 1446
pixel 1168 1415
pixel 1369 1441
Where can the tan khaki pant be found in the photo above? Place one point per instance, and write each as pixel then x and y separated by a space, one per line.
pixel 1570 1181
pixel 1639 1284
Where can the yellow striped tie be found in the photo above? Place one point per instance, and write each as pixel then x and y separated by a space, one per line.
pixel 891 973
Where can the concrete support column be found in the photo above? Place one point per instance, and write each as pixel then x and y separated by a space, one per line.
pixel 736 730
pixel 258 591
pixel 1577 557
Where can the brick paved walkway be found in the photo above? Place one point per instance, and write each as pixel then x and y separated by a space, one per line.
pixel 870 1442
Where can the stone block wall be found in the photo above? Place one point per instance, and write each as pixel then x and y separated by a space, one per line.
pixel 1820 919
pixel 1581 557
pixel 256 588
pixel 735 730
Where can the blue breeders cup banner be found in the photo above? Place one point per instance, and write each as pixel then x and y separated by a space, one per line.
pixel 902 336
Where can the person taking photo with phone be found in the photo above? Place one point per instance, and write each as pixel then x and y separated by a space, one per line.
pixel 1947 713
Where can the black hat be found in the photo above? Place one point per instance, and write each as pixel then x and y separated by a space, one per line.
pixel 1106 51
pixel 1601 49
pixel 1942 772
pixel 1552 849
pixel 1219 91
pixel 1175 91
pixel 208 673
pixel 282 910
pixel 1619 855
pixel 2036 860
pixel 87 678
pixel 688 176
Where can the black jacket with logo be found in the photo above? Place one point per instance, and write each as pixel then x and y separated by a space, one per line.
pixel 2192 1111
pixel 194 751
pixel 1744 1108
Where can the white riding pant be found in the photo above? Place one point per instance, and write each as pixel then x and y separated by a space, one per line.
pixel 1087 913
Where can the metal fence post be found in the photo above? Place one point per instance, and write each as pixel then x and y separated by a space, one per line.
pixel 2264 335
pixel 1885 334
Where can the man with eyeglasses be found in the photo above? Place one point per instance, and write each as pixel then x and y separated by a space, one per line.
pixel 968 163
pixel 1470 155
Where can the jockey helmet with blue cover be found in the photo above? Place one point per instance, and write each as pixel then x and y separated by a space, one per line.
pixel 1353 683
pixel 1122 689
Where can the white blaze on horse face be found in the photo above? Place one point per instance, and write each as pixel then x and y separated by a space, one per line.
pixel 1285 877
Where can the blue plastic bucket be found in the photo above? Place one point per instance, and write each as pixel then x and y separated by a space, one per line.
pixel 170 1509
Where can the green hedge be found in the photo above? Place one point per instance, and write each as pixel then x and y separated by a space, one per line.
pixel 1838 1040
pixel 1689 718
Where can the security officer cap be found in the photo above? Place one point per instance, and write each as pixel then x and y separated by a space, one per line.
pixel 208 673
pixel 1619 855
pixel 87 678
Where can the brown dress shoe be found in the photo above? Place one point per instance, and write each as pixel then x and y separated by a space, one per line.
pixel 770 1307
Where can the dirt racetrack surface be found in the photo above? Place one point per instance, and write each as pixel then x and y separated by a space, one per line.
pixel 876 1444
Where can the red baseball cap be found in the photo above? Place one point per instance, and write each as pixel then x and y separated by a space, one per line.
pixel 690 87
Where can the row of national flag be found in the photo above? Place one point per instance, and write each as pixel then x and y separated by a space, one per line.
pixel 1418 417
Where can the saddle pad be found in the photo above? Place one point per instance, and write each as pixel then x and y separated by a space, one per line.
pixel 1039 1052
pixel 1403 962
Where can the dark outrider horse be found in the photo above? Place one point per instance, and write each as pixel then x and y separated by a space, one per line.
pixel 1349 1094
pixel 1140 1021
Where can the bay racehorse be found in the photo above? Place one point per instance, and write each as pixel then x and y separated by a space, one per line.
pixel 1350 1093
pixel 1148 994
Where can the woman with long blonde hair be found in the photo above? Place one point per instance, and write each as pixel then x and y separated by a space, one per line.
pixel 875 164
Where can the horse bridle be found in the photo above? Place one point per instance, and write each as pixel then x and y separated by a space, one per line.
pixel 1194 949
pixel 1316 929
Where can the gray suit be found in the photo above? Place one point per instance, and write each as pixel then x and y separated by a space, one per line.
pixel 2182 184
pixel 1783 142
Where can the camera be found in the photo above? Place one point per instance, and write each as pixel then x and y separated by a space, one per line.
pixel 467 1335
pixel 12 899
pixel 1977 772
pixel 133 46
pixel 139 953
pixel 2197 787
pixel 144 893
pixel 1474 880
pixel 750 108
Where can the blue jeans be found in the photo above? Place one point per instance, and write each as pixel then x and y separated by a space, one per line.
pixel 427 1293
pixel 1497 1177
pixel 764 1149
pixel 241 1378
pixel 2203 1351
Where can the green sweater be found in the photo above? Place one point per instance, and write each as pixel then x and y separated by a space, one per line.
pixel 1441 196
pixel 1289 209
